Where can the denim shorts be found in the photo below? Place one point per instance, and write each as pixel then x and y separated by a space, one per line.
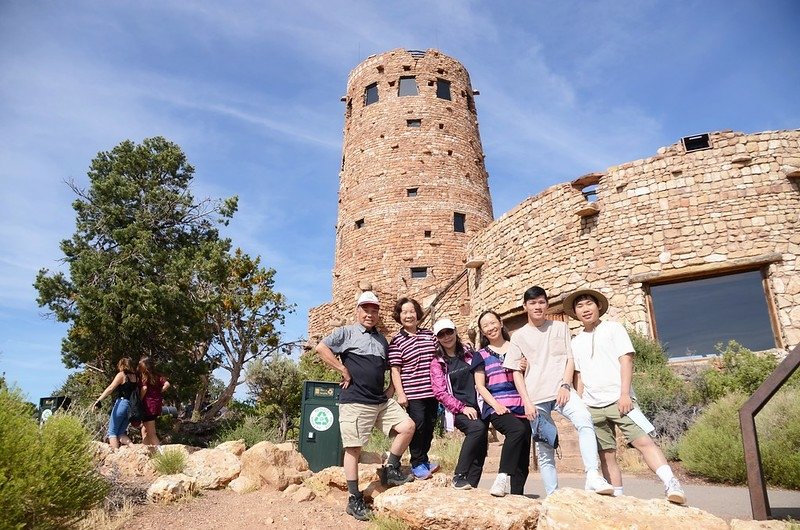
pixel 118 423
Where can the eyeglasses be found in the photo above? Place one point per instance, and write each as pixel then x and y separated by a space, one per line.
pixel 445 333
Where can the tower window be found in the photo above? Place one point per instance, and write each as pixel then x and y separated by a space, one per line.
pixel 419 272
pixel 427 233
pixel 371 94
pixel 459 222
pixel 360 223
pixel 408 86
pixel 443 89
pixel 411 192
pixel 696 143
pixel 414 123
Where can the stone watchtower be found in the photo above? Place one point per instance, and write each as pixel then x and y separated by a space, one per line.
pixel 413 187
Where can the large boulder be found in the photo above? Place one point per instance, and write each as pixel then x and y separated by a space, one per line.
pixel 329 479
pixel 213 468
pixel 424 505
pixel 235 447
pixel 169 488
pixel 129 461
pixel 244 484
pixel 100 452
pixel 738 524
pixel 573 508
pixel 274 466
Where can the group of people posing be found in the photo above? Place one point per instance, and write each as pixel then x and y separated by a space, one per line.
pixel 512 383
pixel 149 385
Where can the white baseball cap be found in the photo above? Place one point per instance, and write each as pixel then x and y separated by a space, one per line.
pixel 443 323
pixel 368 297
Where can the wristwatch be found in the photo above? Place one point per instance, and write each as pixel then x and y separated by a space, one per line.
pixel 567 386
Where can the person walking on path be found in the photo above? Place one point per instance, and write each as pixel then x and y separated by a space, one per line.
pixel 152 386
pixel 360 353
pixel 548 386
pixel 411 351
pixel 454 387
pixel 604 363
pixel 502 405
pixel 124 383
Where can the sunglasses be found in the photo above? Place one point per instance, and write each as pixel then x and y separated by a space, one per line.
pixel 445 333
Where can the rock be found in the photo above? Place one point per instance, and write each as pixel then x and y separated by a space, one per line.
pixel 213 468
pixel 425 505
pixel 100 452
pixel 573 508
pixel 299 493
pixel 244 484
pixel 236 447
pixel 169 488
pixel 738 524
pixel 274 465
pixel 331 478
pixel 185 449
pixel 129 461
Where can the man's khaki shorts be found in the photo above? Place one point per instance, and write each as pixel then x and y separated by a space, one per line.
pixel 357 420
pixel 605 418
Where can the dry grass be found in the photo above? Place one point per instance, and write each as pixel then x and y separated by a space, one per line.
pixel 383 522
pixel 101 519
pixel 630 461
pixel 445 450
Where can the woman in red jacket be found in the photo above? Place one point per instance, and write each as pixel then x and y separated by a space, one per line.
pixel 152 386
pixel 454 386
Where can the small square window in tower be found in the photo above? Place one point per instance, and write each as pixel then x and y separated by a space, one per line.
pixel 411 192
pixel 443 89
pixel 414 123
pixel 371 94
pixel 459 222
pixel 360 223
pixel 408 86
pixel 419 272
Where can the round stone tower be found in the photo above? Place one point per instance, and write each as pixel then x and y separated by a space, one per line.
pixel 413 186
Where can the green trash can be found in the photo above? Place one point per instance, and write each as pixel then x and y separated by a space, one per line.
pixel 320 440
pixel 49 405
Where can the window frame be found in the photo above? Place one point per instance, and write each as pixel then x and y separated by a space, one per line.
pixel 444 82
pixel 415 273
pixel 463 224
pixel 367 101
pixel 400 86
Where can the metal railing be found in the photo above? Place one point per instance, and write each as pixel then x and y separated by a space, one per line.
pixel 759 501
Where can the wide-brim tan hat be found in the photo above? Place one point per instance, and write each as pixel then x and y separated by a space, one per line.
pixel 569 301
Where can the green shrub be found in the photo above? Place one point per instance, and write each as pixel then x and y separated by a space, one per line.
pixel 169 462
pixel 385 522
pixel 47 477
pixel 251 429
pixel 712 447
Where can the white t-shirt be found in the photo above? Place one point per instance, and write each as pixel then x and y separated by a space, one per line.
pixel 547 349
pixel 597 356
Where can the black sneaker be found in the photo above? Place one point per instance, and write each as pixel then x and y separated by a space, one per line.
pixel 357 508
pixel 460 482
pixel 395 477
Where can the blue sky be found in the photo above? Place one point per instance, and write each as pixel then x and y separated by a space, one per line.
pixel 250 91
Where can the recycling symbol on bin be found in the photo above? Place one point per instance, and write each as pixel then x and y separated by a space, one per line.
pixel 321 418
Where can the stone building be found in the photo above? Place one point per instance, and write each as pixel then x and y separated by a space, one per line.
pixel 695 245
pixel 413 187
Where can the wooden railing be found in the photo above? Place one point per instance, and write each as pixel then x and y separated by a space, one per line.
pixel 759 501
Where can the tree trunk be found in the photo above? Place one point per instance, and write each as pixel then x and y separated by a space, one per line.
pixel 226 395
pixel 200 398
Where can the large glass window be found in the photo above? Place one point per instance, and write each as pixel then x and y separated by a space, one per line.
pixel 459 222
pixel 408 86
pixel 371 94
pixel 691 317
pixel 442 89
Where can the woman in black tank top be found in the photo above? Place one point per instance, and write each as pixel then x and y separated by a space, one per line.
pixel 124 383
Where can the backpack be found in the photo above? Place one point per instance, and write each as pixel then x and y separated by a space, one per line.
pixel 135 406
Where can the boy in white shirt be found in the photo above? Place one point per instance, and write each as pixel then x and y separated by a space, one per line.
pixel 603 356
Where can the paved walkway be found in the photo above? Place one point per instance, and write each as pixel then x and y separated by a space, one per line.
pixel 727 502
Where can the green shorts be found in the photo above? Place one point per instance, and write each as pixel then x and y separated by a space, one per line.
pixel 605 418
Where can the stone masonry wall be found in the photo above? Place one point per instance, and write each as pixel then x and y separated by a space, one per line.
pixel 733 206
pixel 383 229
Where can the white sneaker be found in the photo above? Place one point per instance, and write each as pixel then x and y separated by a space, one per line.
pixel 501 485
pixel 675 492
pixel 599 485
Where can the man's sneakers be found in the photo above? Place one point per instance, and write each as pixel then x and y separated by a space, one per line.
pixel 674 491
pixel 598 484
pixel 395 477
pixel 421 472
pixel 358 508
pixel 501 486
pixel 460 482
